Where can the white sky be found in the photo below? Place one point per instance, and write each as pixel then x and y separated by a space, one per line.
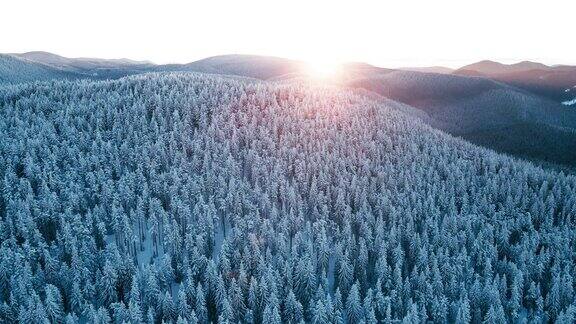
pixel 384 33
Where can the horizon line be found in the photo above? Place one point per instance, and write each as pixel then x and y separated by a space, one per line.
pixel 453 64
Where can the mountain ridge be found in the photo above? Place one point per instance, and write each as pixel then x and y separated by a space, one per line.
pixel 489 67
pixel 51 58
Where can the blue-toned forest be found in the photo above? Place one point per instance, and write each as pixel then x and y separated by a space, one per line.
pixel 195 198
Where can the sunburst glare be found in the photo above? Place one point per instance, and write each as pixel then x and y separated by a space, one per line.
pixel 322 68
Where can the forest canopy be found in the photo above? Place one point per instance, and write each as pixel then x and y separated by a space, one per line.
pixel 191 198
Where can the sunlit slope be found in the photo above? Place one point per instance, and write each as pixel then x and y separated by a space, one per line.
pixel 206 192
pixel 251 66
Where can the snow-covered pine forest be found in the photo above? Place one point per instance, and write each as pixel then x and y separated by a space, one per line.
pixel 188 198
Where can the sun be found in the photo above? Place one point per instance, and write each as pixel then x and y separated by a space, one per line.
pixel 322 68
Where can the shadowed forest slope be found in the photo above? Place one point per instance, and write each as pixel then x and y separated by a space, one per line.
pixel 469 106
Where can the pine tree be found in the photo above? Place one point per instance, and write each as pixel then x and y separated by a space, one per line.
pixel 566 287
pixel 440 309
pixel 36 312
pixel 135 312
pixel 200 307
pixel 181 320
pixel 338 305
pixel 54 308
pixel 345 274
pixel 495 314
pixel 371 317
pixel 253 302
pixel 70 319
pixel 236 299
pixel 182 307
pixel 353 305
pixel 320 314
pixel 463 312
pixel 411 315
pixel 553 300
pixel 150 316
pixel 293 310
pixel 338 317
pixel 192 318
pixel 515 298
pixel 167 305
pixel 102 316
pixel 227 312
pixel 135 292
pixel 107 284
pixel 76 300
pixel 249 318
pixel 120 312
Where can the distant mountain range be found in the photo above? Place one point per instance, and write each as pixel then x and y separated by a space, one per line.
pixel 38 66
pixel 554 82
pixel 516 108
pixel 487 67
pixel 78 64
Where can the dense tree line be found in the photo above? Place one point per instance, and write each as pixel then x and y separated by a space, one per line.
pixel 190 198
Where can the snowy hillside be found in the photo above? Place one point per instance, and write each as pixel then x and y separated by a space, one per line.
pixel 19 70
pixel 200 198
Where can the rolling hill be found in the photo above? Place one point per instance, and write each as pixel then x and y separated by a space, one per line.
pixel 488 67
pixel 90 67
pixel 473 107
pixel 252 66
pixel 78 64
pixel 18 70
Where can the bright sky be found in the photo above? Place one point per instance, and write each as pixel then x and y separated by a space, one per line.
pixel 383 33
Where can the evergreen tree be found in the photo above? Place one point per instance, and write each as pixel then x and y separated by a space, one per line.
pixel 463 312
pixel 320 314
pixel 200 307
pixel 293 310
pixel 353 305
pixel 182 307
pixel 107 285
pixel 167 306
pixel 54 308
